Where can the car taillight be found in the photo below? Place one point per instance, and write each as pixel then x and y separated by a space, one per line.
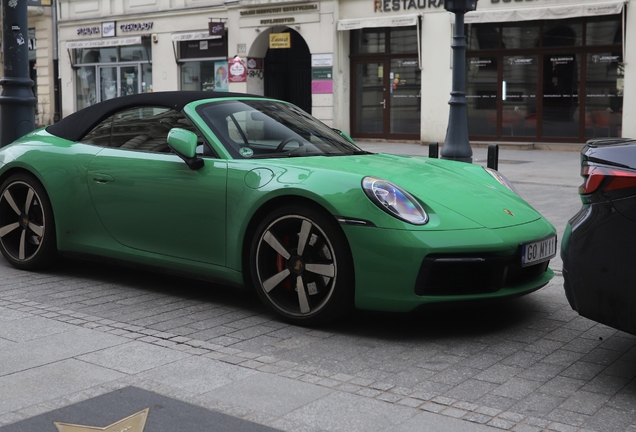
pixel 604 179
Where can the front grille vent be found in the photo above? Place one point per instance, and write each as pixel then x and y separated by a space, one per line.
pixel 464 275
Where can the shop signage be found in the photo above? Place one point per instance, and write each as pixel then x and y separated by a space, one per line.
pixel 140 26
pixel 255 63
pixel 238 71
pixel 520 61
pixel 88 31
pixel 605 59
pixel 193 36
pixel 321 73
pixel 279 40
pixel 108 29
pixel 271 21
pixel 321 60
pixel 403 5
pixel 204 48
pixel 561 60
pixel 100 43
pixel 321 87
pixel 39 3
pixel 216 28
pixel 312 7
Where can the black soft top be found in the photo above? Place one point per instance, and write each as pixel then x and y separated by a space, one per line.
pixel 78 124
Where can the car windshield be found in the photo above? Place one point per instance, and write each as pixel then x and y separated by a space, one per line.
pixel 268 129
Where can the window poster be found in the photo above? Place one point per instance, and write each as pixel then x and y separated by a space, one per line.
pixel 220 76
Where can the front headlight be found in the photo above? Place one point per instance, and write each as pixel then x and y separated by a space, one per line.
pixel 501 179
pixel 395 201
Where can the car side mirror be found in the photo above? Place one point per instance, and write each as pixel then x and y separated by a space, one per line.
pixel 184 143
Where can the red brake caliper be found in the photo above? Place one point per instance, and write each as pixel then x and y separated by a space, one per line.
pixel 280 264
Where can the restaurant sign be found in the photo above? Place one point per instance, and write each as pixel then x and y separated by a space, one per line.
pixel 279 40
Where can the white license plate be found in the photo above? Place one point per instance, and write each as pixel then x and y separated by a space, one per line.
pixel 538 251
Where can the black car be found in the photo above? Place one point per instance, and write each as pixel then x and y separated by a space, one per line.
pixel 599 244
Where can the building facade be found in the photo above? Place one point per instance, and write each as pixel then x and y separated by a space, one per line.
pixel 537 70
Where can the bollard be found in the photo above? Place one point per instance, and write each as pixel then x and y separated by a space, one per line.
pixel 433 150
pixel 493 156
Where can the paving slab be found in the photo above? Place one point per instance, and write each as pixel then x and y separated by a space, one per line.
pixel 50 381
pixel 59 346
pixel 272 395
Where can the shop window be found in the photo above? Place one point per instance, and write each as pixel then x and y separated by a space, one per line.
pixel 520 35
pixel 200 75
pixel 134 53
pixel 604 31
pixel 85 86
pixel 563 33
pixel 203 64
pixel 368 41
pixel 482 36
pixel 95 55
pixel 604 98
pixel 105 73
pixel 403 40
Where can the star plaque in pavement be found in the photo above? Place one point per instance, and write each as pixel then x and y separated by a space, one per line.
pixel 133 423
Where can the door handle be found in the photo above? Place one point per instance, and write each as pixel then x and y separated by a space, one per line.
pixel 102 178
pixel 383 103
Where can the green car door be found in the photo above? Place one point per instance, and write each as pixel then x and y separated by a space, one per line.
pixel 154 202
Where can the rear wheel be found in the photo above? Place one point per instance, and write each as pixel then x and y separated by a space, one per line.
pixel 301 265
pixel 27 229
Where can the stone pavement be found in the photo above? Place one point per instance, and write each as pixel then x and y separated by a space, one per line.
pixel 529 364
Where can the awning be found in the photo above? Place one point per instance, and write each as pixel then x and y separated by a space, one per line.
pixel 104 42
pixel 544 13
pixel 389 21
pixel 198 35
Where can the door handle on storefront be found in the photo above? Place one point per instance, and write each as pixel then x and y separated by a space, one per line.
pixel 383 103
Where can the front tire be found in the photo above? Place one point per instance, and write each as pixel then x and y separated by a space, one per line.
pixel 27 228
pixel 301 265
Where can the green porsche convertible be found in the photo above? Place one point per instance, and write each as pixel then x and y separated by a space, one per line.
pixel 254 192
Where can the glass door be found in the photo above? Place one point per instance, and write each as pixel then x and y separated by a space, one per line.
pixel 129 78
pixel 519 113
pixel 604 95
pixel 481 95
pixel 370 99
pixel 405 90
pixel 115 81
pixel 560 100
pixel 387 98
pixel 108 83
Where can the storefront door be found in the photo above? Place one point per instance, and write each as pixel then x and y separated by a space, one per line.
pixel 117 81
pixel 519 111
pixel 387 100
pixel 560 95
pixel 371 99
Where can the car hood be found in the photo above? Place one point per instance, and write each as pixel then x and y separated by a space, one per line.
pixel 441 185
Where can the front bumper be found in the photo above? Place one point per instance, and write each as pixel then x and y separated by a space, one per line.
pixel 389 264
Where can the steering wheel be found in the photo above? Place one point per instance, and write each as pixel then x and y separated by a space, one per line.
pixel 286 141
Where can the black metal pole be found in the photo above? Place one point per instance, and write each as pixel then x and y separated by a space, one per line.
pixel 57 90
pixel 17 103
pixel 456 145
